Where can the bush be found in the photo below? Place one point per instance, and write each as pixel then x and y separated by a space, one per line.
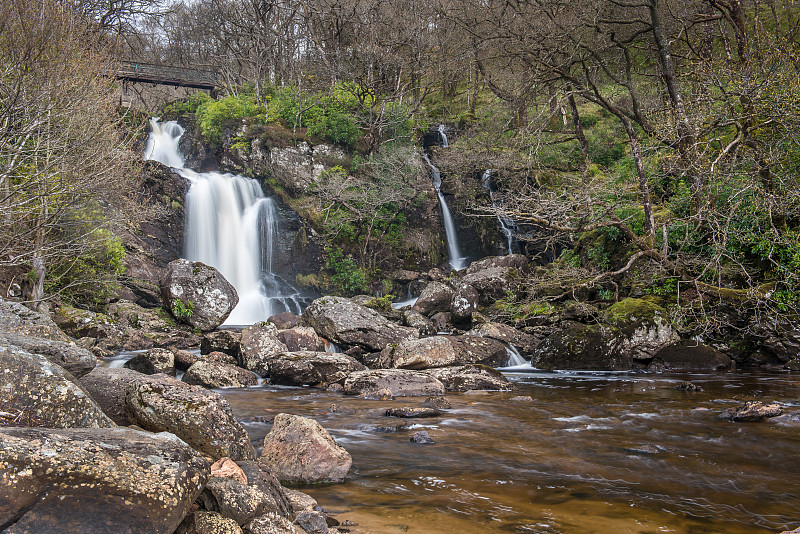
pixel 212 115
pixel 347 277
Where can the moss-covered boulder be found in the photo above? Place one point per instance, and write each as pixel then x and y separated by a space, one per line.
pixel 579 346
pixel 645 327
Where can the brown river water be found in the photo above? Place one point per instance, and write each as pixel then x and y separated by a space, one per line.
pixel 591 453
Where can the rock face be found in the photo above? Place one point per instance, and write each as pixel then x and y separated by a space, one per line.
pixel 582 347
pixel 434 298
pixel 691 355
pixel 210 374
pixel 348 324
pixel 206 297
pixel 260 343
pixel 37 392
pixel 96 480
pixel 78 361
pixel 463 304
pixel 312 368
pixel 398 382
pixel 201 418
pixel 471 377
pixel 299 450
pixel 153 362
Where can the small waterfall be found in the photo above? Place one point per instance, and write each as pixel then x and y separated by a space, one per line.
pixel 233 227
pixel 456 260
pixel 443 136
pixel 507 224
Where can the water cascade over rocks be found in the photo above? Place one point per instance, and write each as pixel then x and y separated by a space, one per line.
pixel 443 136
pixel 455 258
pixel 507 224
pixel 233 227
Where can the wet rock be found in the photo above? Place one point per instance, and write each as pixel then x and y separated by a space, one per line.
pixel 413 413
pixel 206 298
pixel 463 304
pixel 260 343
pixel 783 343
pixel 270 524
pixel 524 343
pixel 227 468
pixel 442 323
pixel 184 359
pixel 107 387
pixel 690 356
pixel 349 324
pixel 521 398
pixel 300 339
pixel 440 403
pixel 645 328
pixel 422 437
pixel 792 365
pixel 752 411
pixel 471 377
pixel 416 320
pixel 226 341
pixel 37 392
pixel 582 347
pixel 787 419
pixel 152 362
pixel 311 368
pixel 96 480
pixel 394 382
pixel 688 386
pixel 77 360
pixel 312 521
pixel 436 297
pixel 200 417
pixel 285 320
pixel 299 450
pixel 211 374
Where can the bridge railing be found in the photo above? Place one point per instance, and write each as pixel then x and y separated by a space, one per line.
pixel 167 73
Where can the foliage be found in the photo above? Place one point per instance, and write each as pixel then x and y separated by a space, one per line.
pixel 182 310
pixel 212 115
pixel 190 104
pixel 347 277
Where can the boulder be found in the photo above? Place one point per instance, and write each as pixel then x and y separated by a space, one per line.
pixel 408 412
pixel 270 524
pixel 307 368
pixel 582 347
pixel 299 450
pixel 227 468
pixel 203 522
pixel 645 327
pixel 752 411
pixel 234 500
pixel 441 351
pixel 220 357
pixel 301 338
pixel 517 262
pixel 197 294
pixel 312 521
pixel 153 362
pixel 442 323
pixel 463 304
pixel 422 437
pixel 436 297
pixel 524 343
pixel 285 320
pixel 77 360
pixel 226 341
pixel 471 377
pixel 107 387
pixel 262 478
pixel 200 417
pixel 397 382
pixel 14 317
pixel 416 320
pixel 184 359
pixel 349 324
pixel 211 374
pixel 37 392
pixel 84 323
pixel 492 283
pixel 483 350
pixel 690 356
pixel 96 481
pixel 260 343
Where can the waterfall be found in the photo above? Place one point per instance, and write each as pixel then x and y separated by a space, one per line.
pixel 507 224
pixel 233 227
pixel 456 260
pixel 443 136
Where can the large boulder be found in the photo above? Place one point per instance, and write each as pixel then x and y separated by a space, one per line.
pixel 578 346
pixel 397 382
pixel 234 500
pixel 14 317
pixel 524 343
pixel 197 294
pixel 645 327
pixel 518 262
pixel 200 417
pixel 299 450
pixel 471 377
pixel 307 368
pixel 77 360
pixel 351 325
pixel 227 341
pixel 259 344
pixel 414 319
pixel 492 283
pixel 483 350
pixel 37 392
pixel 107 387
pixel 301 338
pixel 95 481
pixel 463 304
pixel 434 298
pixel 691 356
pixel 262 478
pixel 153 362
pixel 441 351
pixel 211 374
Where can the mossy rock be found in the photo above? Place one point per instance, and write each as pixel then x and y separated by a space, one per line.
pixel 583 347
pixel 633 310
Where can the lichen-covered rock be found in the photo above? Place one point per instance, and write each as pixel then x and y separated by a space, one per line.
pixel 524 343
pixel 226 341
pixel 299 450
pixel 645 327
pixel 471 377
pixel 301 338
pixel 397 382
pixel 482 350
pixel 284 320
pixel 441 351
pixel 492 283
pixel 204 522
pixel 517 262
pixel 96 480
pixel 200 417
pixel 234 500
pixel 84 323
pixel 307 368
pixel 752 411
pixel 184 359
pixel 270 524
pixel 210 374
pixel 436 297
pixel 463 304
pixel 107 387
pixel 414 319
pixel 197 294
pixel 153 362
pixel 689 356
pixel 348 324
pixel 413 412
pixel 14 317
pixel 77 360
pixel 582 347
pixel 260 343
pixel 262 478
pixel 37 392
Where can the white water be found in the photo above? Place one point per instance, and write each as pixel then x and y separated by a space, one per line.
pixel 231 226
pixel 456 260
pixel 507 224
pixel 443 136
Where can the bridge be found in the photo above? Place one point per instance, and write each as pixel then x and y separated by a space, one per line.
pixel 130 71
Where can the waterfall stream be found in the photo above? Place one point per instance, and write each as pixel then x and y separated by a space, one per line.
pixel 443 136
pixel 233 227
pixel 507 224
pixel 456 260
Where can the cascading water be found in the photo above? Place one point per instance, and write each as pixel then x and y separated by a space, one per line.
pixel 443 136
pixel 456 260
pixel 231 226
pixel 507 224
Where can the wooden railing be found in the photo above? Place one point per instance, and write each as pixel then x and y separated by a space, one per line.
pixel 168 75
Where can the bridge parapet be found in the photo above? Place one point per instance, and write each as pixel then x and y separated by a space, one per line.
pixel 168 75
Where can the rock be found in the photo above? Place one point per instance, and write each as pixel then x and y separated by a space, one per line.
pixel 492 283
pixel 752 411
pixel 299 501
pixel 107 387
pixel 349 324
pixel 312 521
pixel 482 350
pixel 78 361
pixel 311 368
pixel 524 343
pixel 582 347
pixel 206 297
pixel 395 382
pixel 201 418
pixel 227 468
pixel 234 500
pixel 202 522
pixel 440 403
pixel 260 343
pixel 582 312
pixel 436 297
pixel 96 480
pixel 153 362
pixel 270 524
pixel 184 359
pixel 437 351
pixel 300 339
pixel 16 318
pixel 645 328
pixel 688 386
pixel 226 341
pixel 792 365
pixel 299 450
pixel 416 320
pixel 263 479
pixel 38 392
pixel 220 357
pixel 691 356
pixel 142 328
pixel 413 413
pixel 83 323
pixel 521 398
pixel 422 437
pixel 517 262
pixel 285 320
pixel 783 342
pixel 463 304
pixel 471 377
pixel 211 374
pixel 442 323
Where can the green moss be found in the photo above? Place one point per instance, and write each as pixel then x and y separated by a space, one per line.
pixel 630 310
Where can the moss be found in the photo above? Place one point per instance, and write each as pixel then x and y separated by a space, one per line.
pixel 630 310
